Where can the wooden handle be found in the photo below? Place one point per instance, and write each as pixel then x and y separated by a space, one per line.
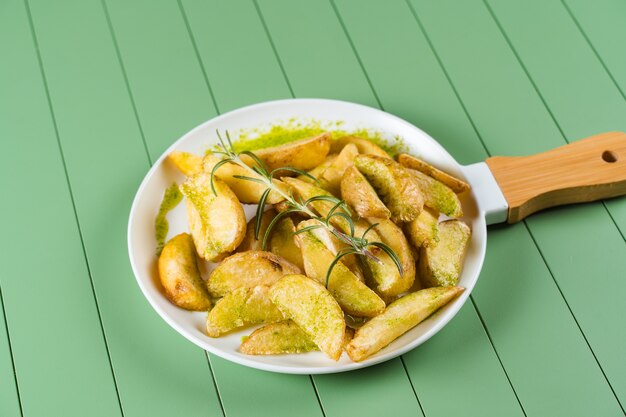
pixel 587 170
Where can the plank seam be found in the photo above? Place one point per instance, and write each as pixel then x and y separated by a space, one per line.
pixel 6 326
pixel 217 389
pixel 406 371
pixel 69 187
pixel 317 395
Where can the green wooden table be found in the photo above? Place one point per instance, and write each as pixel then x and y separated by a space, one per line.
pixel 93 91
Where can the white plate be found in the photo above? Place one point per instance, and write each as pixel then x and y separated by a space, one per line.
pixel 141 238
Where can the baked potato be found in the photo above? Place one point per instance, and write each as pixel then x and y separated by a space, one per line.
pixel 304 154
pixel 187 163
pixel 457 185
pixel 283 244
pixel 437 196
pixel 364 146
pixel 441 264
pixel 423 231
pixel 360 195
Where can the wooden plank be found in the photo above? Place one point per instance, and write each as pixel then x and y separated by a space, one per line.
pixel 9 391
pixel 54 327
pixel 105 161
pixel 583 99
pixel 503 104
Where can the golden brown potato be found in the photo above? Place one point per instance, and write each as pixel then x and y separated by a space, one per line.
pixel 441 265
pixel 398 318
pixel 188 163
pixel 437 196
pixel 364 146
pixel 457 185
pixel 313 309
pixel 304 154
pixel 360 195
pixel 282 242
pixel 217 221
pixel 318 171
pixel 248 192
pixel 282 338
pixel 242 307
pixel 248 269
pixel 333 174
pixel 396 187
pixel 424 231
pixel 180 276
pixel 334 245
pixel 353 296
pixel 249 242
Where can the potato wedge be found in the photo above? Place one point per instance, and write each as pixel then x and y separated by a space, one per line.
pixel 283 244
pixel 313 309
pixel 248 269
pixel 333 174
pixel 217 221
pixel 282 338
pixel 393 236
pixel 441 265
pixel 334 245
pixel 457 185
pixel 180 276
pixel 248 192
pixel 249 242
pixel 396 187
pixel 437 196
pixel 318 171
pixel 187 163
pixel 304 154
pixel 242 307
pixel 360 195
pixel 354 297
pixel 363 145
pixel 423 231
pixel 398 318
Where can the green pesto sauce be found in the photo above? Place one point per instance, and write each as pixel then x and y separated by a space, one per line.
pixel 171 198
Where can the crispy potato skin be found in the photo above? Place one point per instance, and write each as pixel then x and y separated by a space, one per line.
pixel 363 145
pixel 398 318
pixel 180 276
pixel 437 196
pixel 441 265
pixel 242 307
pixel 248 269
pixel 217 222
pixel 353 296
pixel 313 309
pixel 359 194
pixel 423 231
pixel 283 244
pixel 396 187
pixel 188 163
pixel 303 154
pixel 333 174
pixel 457 185
pixel 249 242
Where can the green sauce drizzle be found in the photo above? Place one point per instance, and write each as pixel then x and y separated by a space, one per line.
pixel 171 198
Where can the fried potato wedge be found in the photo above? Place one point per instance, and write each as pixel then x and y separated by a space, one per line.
pixel 304 154
pixel 353 296
pixel 248 192
pixel 318 171
pixel 313 309
pixel 334 245
pixel 441 265
pixel 438 196
pixel 364 146
pixel 249 242
pixel 248 269
pixel 283 244
pixel 423 231
pixel 180 276
pixel 396 187
pixel 333 174
pixel 187 163
pixel 282 338
pixel 217 221
pixel 457 185
pixel 360 195
pixel 398 318
pixel 242 307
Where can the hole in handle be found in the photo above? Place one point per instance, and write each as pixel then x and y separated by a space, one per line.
pixel 609 156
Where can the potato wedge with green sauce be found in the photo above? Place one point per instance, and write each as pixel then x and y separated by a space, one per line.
pixel 248 269
pixel 457 185
pixel 364 146
pixel 249 242
pixel 353 296
pixel 318 171
pixel 398 318
pixel 334 245
pixel 313 309
pixel 242 307
pixel 333 174
pixel 360 195
pixel 441 265
pixel 437 196
pixel 423 231
pixel 187 163
pixel 282 338
pixel 395 186
pixel 282 242
pixel 180 276
pixel 217 221
pixel 304 154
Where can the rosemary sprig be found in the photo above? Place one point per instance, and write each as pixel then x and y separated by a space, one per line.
pixel 258 173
